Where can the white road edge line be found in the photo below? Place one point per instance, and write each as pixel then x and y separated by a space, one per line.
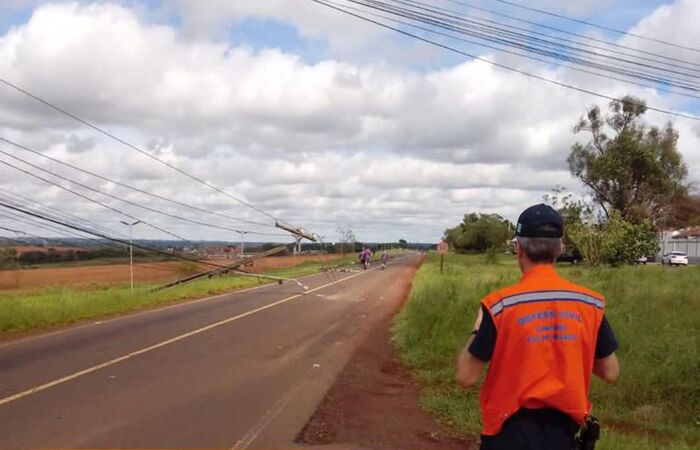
pixel 150 348
pixel 268 417
pixel 129 315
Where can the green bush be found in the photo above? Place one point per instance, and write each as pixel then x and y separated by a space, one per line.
pixel 615 242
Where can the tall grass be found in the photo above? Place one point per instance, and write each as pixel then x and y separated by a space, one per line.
pixel 655 313
pixel 61 305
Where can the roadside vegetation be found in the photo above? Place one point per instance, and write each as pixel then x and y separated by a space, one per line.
pixel 653 310
pixel 61 305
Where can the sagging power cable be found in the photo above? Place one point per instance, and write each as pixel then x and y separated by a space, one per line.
pixel 493 63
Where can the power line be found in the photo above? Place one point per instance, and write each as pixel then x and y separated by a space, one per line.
pixel 571 33
pixel 552 49
pixel 602 27
pixel 103 236
pixel 496 64
pixel 532 35
pixel 138 205
pixel 33 223
pixel 92 200
pixel 127 144
pixel 534 58
pixel 21 201
pixel 124 185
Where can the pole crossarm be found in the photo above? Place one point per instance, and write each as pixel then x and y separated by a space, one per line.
pixel 296 231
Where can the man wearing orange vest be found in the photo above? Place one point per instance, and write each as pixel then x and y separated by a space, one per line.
pixel 542 339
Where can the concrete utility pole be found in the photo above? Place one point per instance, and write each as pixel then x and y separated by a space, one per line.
pixel 243 233
pixel 131 251
pixel 299 234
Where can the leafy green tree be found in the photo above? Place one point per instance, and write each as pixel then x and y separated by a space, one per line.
pixel 628 167
pixel 573 212
pixel 615 242
pixel 403 243
pixel 685 212
pixel 479 232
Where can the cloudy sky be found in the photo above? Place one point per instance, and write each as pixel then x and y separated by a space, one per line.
pixel 310 116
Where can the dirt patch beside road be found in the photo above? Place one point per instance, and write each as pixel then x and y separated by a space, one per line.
pixel 374 402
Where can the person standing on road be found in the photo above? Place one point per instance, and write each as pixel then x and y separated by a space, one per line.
pixel 542 338
pixel 385 258
pixel 365 257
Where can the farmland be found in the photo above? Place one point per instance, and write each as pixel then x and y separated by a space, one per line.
pixel 43 298
pixel 653 310
pixel 151 272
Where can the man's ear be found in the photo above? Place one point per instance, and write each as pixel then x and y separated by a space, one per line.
pixel 561 247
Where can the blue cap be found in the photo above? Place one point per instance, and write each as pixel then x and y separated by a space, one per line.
pixel 540 221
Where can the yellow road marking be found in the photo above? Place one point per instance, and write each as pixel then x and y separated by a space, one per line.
pixel 129 315
pixel 130 355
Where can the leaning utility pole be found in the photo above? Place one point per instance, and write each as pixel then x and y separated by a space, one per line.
pixel 298 233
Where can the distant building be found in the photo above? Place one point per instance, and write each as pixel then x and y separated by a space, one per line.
pixel 689 233
pixel 221 252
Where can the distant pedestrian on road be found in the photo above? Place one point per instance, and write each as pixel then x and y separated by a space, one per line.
pixel 365 257
pixel 385 259
pixel 542 339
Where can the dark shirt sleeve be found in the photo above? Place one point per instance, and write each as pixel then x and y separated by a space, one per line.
pixel 485 339
pixel 606 343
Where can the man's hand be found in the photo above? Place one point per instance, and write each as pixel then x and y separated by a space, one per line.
pixel 468 366
pixel 608 368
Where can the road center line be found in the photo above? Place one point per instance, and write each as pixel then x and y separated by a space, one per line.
pixel 130 355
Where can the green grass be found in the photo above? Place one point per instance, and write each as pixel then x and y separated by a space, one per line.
pixel 61 305
pixel 655 313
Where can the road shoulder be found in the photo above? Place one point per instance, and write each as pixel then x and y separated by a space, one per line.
pixel 374 403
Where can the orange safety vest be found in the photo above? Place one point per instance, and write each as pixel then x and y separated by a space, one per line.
pixel 546 333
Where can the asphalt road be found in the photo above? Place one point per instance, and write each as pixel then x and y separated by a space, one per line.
pixel 239 370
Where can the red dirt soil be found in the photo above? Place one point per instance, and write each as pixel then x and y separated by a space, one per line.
pixel 27 279
pixel 374 403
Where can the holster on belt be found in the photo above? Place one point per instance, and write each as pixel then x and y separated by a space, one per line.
pixel 588 434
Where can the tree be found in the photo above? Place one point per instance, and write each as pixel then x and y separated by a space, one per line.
pixel 479 232
pixel 615 242
pixel 628 167
pixel 347 239
pixel 572 211
pixel 403 243
pixel 684 212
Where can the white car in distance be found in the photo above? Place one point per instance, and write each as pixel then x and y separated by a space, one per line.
pixel 675 259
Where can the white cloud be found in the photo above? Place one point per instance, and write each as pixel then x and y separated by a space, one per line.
pixel 393 152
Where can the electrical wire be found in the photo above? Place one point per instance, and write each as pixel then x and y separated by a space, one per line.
pixel 104 236
pixel 129 202
pixel 591 24
pixel 534 58
pixel 530 37
pixel 34 223
pixel 571 33
pixel 555 50
pixel 133 188
pixel 19 200
pixel 134 147
pixel 496 64
pixel 92 200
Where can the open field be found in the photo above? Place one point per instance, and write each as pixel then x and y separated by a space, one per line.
pixel 151 272
pixel 654 311
pixel 55 305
